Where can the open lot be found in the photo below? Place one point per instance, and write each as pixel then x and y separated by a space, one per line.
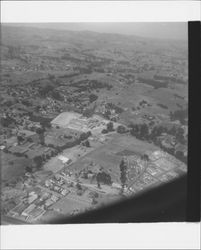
pixel 69 204
pixel 74 153
pixel 107 155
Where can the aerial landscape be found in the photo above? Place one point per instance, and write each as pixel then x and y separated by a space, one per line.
pixel 87 119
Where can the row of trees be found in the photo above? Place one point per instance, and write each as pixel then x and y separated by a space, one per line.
pixel 143 132
pixel 123 173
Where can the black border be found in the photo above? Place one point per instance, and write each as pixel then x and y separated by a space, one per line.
pixel 194 133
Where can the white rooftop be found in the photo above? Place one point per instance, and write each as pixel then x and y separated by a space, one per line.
pixel 63 158
pixel 64 118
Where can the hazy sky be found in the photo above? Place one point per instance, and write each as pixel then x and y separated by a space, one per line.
pixel 162 30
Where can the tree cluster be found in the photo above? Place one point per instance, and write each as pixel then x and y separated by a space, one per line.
pixel 123 173
pixel 142 132
pixel 103 177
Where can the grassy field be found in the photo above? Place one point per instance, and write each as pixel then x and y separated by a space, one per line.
pixel 74 153
pixel 67 205
pixel 108 155
pixel 12 166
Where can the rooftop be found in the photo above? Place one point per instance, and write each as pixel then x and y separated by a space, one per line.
pixel 19 208
pixel 64 118
pixel 27 132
